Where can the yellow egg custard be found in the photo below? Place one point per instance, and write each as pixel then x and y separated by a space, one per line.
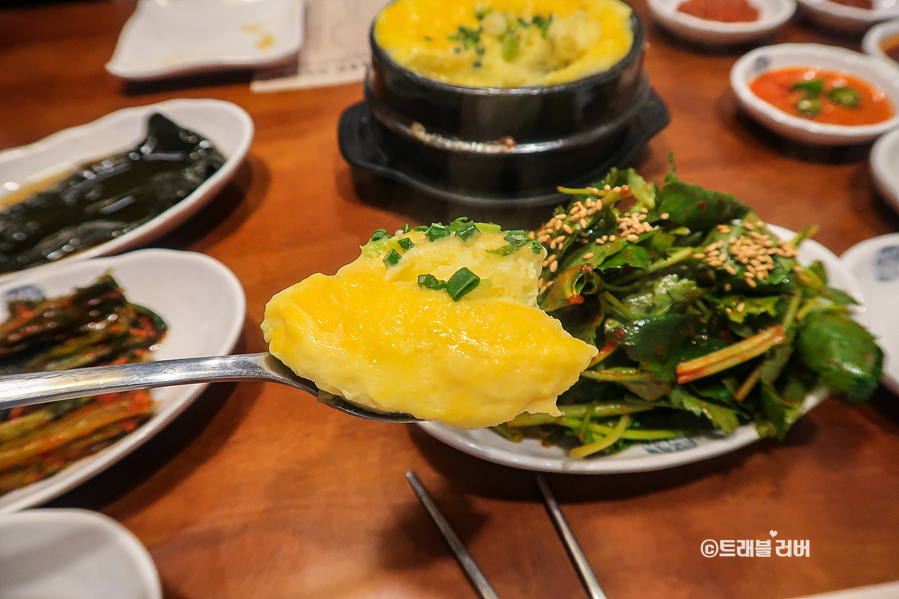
pixel 439 322
pixel 505 43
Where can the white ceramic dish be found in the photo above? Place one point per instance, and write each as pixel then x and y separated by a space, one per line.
pixel 761 60
pixel 872 42
pixel 884 160
pixel 165 38
pixel 73 554
pixel 532 455
pixel 227 125
pixel 772 14
pixel 875 263
pixel 849 19
pixel 198 297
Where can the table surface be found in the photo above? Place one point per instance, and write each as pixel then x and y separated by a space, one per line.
pixel 257 491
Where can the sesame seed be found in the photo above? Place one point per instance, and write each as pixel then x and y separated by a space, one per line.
pixel 588 255
pixel 664 216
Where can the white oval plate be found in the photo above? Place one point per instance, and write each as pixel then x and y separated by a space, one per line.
pixel 165 38
pixel 883 161
pixel 849 19
pixel 761 60
pixel 772 14
pixel 198 297
pixel 72 553
pixel 227 125
pixel 875 264
pixel 532 455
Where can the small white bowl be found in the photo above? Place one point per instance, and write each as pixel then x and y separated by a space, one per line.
pixel 772 14
pixel 873 41
pixel 73 554
pixel 884 158
pixel 761 60
pixel 849 19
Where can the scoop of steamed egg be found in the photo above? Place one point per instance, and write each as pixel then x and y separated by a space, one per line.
pixel 385 336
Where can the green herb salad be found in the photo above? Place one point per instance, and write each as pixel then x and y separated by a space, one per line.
pixel 704 319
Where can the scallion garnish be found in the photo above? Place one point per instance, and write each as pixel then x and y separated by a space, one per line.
pixel 431 282
pixel 509 44
pixel 405 243
pixel 392 258
pixel 468 232
pixel 379 235
pixel 437 231
pixel 463 281
pixel 542 23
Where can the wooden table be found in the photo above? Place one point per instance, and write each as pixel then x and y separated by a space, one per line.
pixel 257 491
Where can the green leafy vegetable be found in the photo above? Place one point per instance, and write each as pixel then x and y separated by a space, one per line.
pixel 704 319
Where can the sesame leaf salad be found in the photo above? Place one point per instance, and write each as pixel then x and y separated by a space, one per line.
pixel 703 318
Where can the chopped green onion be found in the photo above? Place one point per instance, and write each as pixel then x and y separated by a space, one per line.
pixel 405 243
pixel 470 230
pixel 431 282
pixel 463 281
pixel 468 37
pixel 392 258
pixel 509 45
pixel 844 96
pixel 542 23
pixel 812 87
pixel 481 11
pixel 437 231
pixel 379 235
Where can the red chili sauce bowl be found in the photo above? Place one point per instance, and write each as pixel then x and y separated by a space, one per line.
pixel 788 88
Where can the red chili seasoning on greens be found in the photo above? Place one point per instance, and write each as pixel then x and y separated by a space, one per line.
pixel 726 11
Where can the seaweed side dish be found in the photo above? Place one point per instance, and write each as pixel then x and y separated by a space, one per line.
pixel 108 197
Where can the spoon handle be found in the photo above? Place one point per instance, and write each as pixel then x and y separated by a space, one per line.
pixel 41 387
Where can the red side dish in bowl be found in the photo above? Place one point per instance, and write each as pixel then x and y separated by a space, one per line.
pixel 725 11
pixel 829 97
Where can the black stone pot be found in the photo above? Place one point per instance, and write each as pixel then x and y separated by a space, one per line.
pixel 504 142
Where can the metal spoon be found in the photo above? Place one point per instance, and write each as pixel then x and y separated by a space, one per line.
pixel 42 387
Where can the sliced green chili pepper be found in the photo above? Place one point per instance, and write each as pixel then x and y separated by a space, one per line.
pixel 812 87
pixel 808 107
pixel 844 96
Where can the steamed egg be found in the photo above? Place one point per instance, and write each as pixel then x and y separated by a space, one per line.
pixel 439 322
pixel 505 43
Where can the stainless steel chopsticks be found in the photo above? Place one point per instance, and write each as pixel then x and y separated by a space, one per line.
pixel 474 574
pixel 594 591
